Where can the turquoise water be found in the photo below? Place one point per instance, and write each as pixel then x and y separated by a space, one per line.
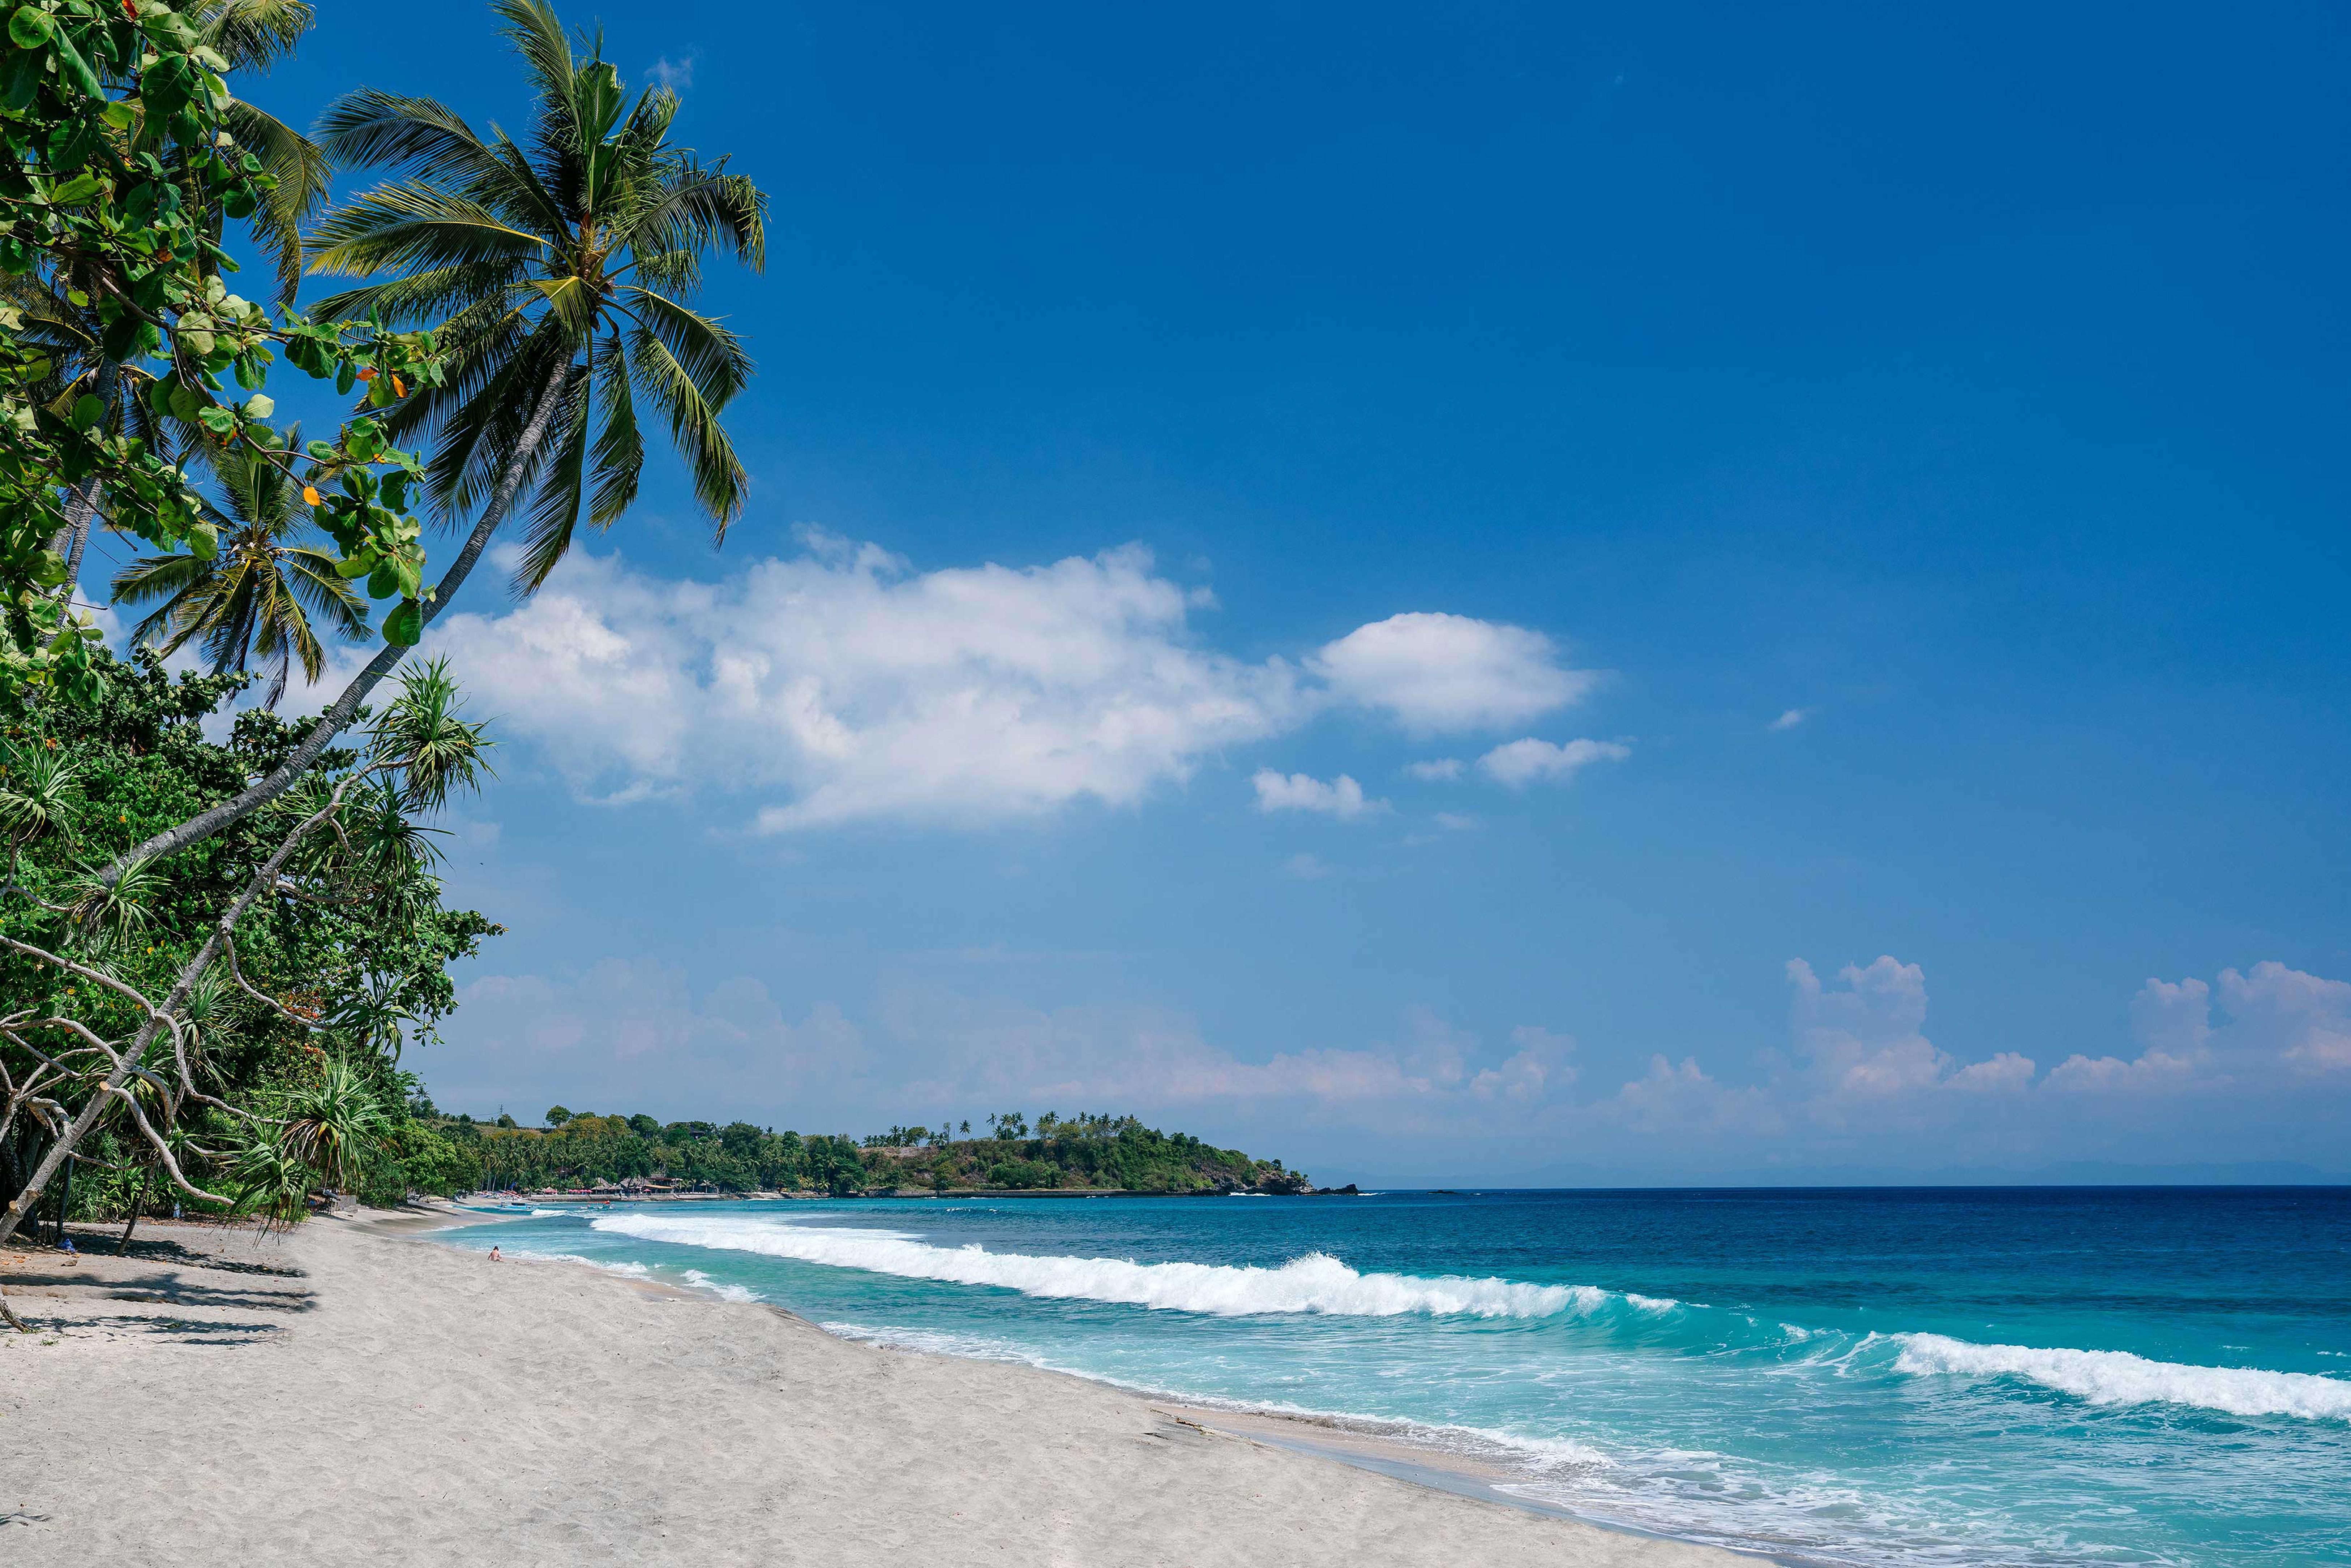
pixel 2025 1377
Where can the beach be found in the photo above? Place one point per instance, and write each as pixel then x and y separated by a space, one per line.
pixel 350 1392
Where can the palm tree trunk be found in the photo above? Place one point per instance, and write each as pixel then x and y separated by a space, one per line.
pixel 82 510
pixel 337 718
pixel 205 823
pixel 138 1202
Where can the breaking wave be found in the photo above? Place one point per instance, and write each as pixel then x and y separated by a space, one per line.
pixel 2118 1377
pixel 1316 1282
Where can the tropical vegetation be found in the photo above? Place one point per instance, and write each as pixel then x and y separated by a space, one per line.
pixel 215 985
pixel 280 1064
pixel 1094 1152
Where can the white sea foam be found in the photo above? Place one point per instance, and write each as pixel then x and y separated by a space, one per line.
pixel 1314 1283
pixel 720 1288
pixel 2118 1377
pixel 611 1266
pixel 1538 1454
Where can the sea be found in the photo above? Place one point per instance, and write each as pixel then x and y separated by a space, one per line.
pixel 1885 1376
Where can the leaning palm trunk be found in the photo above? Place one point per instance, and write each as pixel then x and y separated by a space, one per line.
pixel 205 823
pixel 338 718
pixel 82 508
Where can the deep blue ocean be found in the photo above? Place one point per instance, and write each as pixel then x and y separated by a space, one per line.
pixel 1885 1376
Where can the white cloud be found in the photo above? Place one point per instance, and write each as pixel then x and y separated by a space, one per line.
pixel 1865 1037
pixel 1539 1066
pixel 2002 1073
pixel 1519 764
pixel 1789 720
pixel 857 689
pixel 1445 673
pixel 843 686
pixel 1343 798
pixel 2284 1023
pixel 2304 1019
pixel 1454 822
pixel 675 75
pixel 1306 868
pixel 1679 1100
pixel 1442 769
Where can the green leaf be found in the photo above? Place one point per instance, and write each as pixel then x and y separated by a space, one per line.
pixel 259 407
pixel 216 418
pixel 383 582
pixel 204 540
pixel 358 566
pixel 76 190
pixel 405 625
pixel 29 28
pixel 88 410
pixel 71 64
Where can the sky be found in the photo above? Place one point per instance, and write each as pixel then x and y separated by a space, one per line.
pixel 1461 595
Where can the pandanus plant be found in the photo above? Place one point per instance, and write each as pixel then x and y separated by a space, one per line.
pixel 560 274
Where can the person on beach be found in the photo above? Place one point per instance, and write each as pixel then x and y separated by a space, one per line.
pixel 493 1256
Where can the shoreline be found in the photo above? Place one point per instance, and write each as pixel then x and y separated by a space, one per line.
pixel 337 1394
pixel 1376 1447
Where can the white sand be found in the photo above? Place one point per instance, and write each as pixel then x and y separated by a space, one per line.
pixel 343 1396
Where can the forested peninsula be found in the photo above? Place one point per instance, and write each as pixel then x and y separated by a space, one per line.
pixel 639 1155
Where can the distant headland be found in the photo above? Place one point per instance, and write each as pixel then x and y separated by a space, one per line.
pixel 641 1157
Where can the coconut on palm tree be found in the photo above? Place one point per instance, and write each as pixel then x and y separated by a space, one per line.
pixel 263 592
pixel 564 268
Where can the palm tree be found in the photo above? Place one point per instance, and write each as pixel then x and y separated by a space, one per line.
pixel 252 35
pixel 563 270
pixel 255 598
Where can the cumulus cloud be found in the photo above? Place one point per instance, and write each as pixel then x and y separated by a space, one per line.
pixel 1789 720
pixel 1538 1067
pixel 1519 764
pixel 2280 1023
pixel 1439 771
pixel 675 75
pixel 1446 673
pixel 846 686
pixel 1682 1099
pixel 1343 798
pixel 2304 1019
pixel 1865 1036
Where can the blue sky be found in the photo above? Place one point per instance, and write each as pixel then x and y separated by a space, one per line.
pixel 1857 497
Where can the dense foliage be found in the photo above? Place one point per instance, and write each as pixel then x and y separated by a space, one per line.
pixel 338 969
pixel 127 157
pixel 1096 1153
pixel 122 164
